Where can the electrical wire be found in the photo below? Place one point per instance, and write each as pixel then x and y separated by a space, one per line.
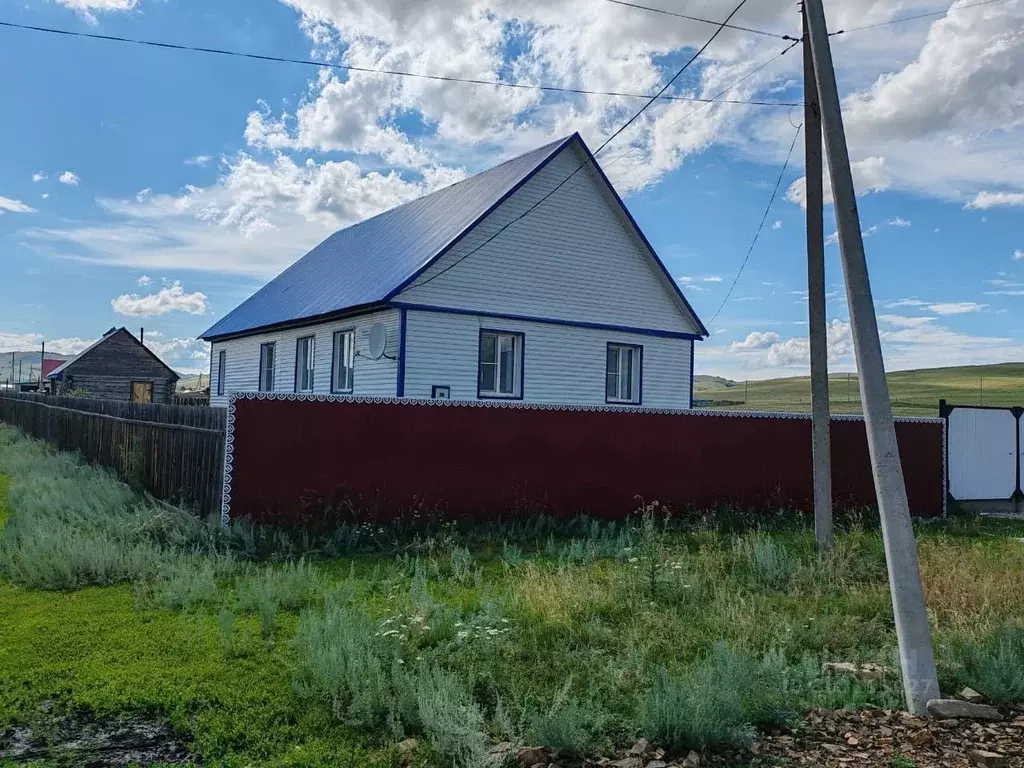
pixel 760 227
pixel 697 18
pixel 593 157
pixel 910 18
pixel 713 99
pixel 350 68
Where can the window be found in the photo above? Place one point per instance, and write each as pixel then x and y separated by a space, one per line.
pixel 344 359
pixel 501 364
pixel 267 357
pixel 142 391
pixel 222 358
pixel 304 349
pixel 623 373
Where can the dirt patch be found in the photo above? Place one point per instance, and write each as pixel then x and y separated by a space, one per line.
pixel 876 738
pixel 90 743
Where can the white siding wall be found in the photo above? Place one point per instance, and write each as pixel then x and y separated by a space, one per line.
pixel 574 257
pixel 372 377
pixel 562 364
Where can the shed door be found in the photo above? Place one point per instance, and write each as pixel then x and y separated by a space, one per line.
pixel 142 391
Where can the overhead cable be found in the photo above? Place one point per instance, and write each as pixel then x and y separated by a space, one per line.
pixel 352 68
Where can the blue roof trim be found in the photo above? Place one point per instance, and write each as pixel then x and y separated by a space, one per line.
pixel 427 264
pixel 643 237
pixel 548 321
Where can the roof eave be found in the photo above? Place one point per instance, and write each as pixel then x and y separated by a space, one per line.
pixel 300 322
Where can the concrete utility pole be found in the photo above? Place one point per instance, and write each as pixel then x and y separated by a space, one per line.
pixel 917 658
pixel 821 452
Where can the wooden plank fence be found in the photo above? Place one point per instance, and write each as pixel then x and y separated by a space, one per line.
pixel 174 452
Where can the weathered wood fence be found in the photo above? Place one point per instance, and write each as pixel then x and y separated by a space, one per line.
pixel 174 452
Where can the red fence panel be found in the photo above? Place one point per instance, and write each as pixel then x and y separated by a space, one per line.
pixel 487 460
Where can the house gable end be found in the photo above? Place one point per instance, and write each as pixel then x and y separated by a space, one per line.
pixel 578 256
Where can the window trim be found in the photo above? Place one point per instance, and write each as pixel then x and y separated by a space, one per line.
pixel 520 361
pixel 334 361
pixel 131 390
pixel 639 385
pixel 312 369
pixel 222 359
pixel 273 368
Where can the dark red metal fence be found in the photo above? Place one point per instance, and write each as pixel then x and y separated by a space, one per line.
pixel 488 461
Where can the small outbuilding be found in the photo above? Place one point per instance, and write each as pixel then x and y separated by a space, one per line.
pixel 117 367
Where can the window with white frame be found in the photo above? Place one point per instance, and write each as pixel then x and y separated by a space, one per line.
pixel 622 376
pixel 501 364
pixel 343 361
pixel 222 359
pixel 268 355
pixel 304 349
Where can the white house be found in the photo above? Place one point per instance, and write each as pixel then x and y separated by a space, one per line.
pixel 459 294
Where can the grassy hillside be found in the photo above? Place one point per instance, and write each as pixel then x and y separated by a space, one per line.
pixel 914 393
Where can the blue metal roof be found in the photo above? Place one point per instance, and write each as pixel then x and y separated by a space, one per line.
pixel 369 262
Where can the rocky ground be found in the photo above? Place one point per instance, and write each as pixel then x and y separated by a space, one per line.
pixel 870 738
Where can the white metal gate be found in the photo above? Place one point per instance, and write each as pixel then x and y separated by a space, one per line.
pixel 984 452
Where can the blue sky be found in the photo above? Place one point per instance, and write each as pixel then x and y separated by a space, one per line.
pixel 143 187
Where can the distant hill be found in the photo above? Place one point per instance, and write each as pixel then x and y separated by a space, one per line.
pixel 705 382
pixel 913 393
pixel 29 362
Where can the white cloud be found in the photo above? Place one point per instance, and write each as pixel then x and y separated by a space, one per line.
pixel 69 177
pixel 712 279
pixel 777 225
pixel 1018 254
pixel 45 195
pixel 38 176
pixel 796 351
pixel 906 303
pixel 184 355
pixel 258 218
pixel 143 281
pixel 14 206
pixel 68 346
pixel 985 200
pixel 898 222
pixel 956 308
pixel 756 340
pixel 25 342
pixel 869 175
pixel 170 298
pixel 201 160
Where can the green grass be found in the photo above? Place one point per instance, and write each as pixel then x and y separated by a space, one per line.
pixel 583 638
pixel 913 393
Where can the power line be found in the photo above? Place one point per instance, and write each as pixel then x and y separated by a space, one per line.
pixel 760 227
pixel 713 99
pixel 350 68
pixel 910 18
pixel 604 144
pixel 702 21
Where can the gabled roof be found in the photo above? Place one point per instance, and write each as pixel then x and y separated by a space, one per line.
pixel 58 372
pixel 368 263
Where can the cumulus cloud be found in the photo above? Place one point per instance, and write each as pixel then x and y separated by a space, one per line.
pixel 38 176
pixel 23 342
pixel 796 351
pixel 143 281
pixel 898 222
pixel 1018 254
pixel 170 298
pixel 185 355
pixel 14 206
pixel 985 200
pixel 777 225
pixel 69 177
pixel 201 160
pixel 756 340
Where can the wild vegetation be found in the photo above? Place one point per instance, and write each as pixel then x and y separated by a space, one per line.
pixel 329 647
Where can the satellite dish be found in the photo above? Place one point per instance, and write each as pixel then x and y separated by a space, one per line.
pixel 378 340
